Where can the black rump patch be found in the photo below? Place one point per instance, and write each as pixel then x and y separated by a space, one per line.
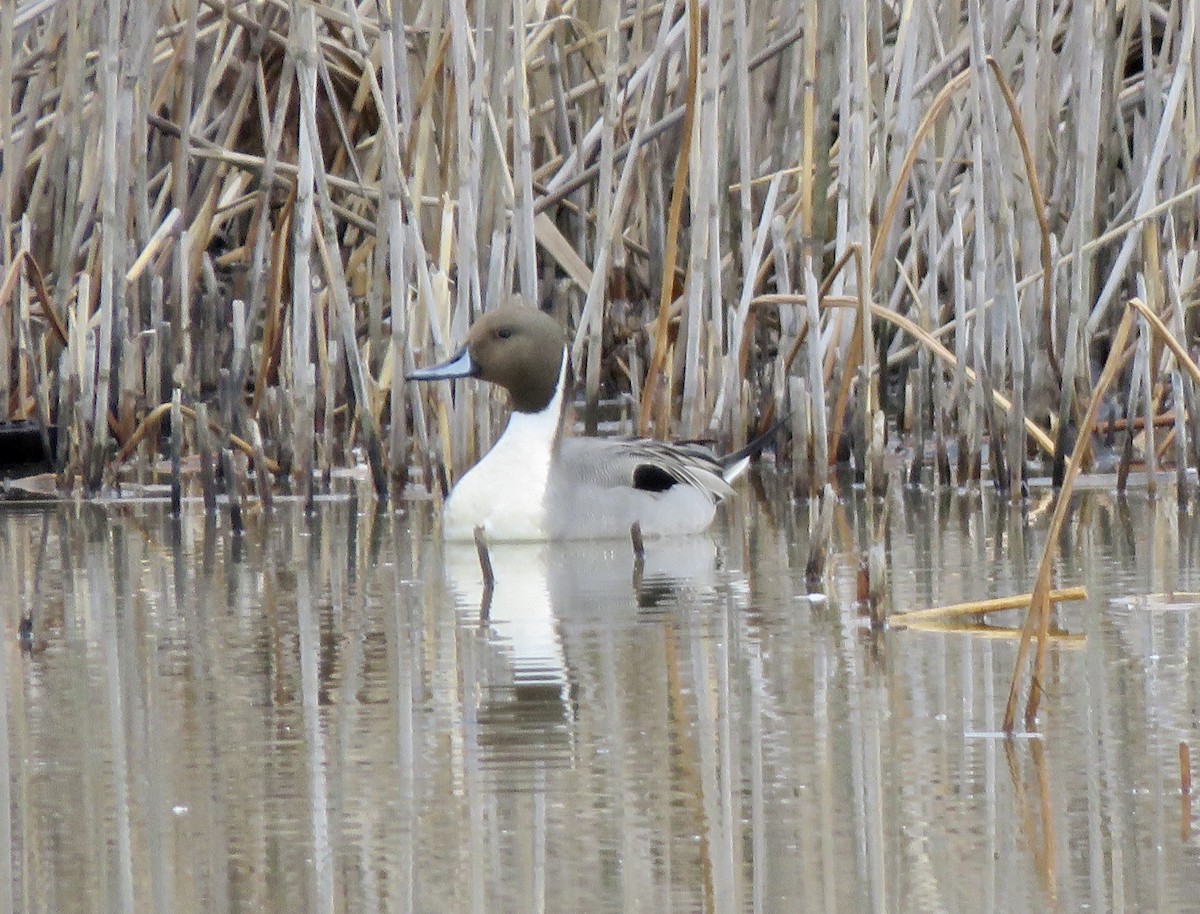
pixel 650 478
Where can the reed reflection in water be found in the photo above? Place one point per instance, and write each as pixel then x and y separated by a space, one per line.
pixel 321 716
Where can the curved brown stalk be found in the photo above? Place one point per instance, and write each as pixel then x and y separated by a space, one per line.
pixel 33 273
pixel 1160 329
pixel 854 356
pixel 921 336
pixel 1039 207
pixel 1038 618
pixel 893 202
pixel 154 417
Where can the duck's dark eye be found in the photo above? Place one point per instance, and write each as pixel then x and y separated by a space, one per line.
pixel 504 333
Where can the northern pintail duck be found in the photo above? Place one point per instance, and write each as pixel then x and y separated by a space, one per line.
pixel 537 483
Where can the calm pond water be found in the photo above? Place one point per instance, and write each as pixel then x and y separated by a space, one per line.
pixel 318 717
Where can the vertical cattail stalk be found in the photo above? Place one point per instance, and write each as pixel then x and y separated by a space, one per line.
pixel 303 370
pixel 524 248
pixel 111 236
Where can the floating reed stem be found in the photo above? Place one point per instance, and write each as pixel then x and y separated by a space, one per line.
pixel 982 607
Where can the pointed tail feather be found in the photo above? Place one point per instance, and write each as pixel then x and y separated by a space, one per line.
pixel 735 464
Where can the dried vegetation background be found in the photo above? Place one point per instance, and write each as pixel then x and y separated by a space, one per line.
pixel 884 221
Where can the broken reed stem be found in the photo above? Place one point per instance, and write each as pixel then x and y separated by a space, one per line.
pixel 1037 620
pixel 154 417
pixel 485 567
pixel 982 607
pixel 639 544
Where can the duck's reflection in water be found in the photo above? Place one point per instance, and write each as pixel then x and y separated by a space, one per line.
pixel 548 602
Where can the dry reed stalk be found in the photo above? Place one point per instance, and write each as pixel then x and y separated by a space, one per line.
pixel 525 250
pixel 1185 768
pixel 922 392
pixel 303 386
pixel 1037 620
pixel 150 424
pixel 819 532
pixel 7 179
pixel 985 330
pixel 704 255
pixel 801 437
pixel 1145 357
pixel 1149 187
pixel 79 387
pixel 232 492
pixel 586 147
pixel 266 270
pixel 208 477
pixel 261 476
pixel 983 631
pixel 964 400
pixel 724 411
pixel 392 236
pixel 653 408
pixel 857 182
pixel 1039 207
pixel 176 408
pixel 816 379
pixel 982 607
pixel 1182 386
pixel 8 323
pixel 111 238
pixel 742 110
pixel 593 308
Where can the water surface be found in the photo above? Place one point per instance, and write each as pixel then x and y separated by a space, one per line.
pixel 324 715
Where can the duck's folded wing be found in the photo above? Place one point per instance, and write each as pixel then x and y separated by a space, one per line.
pixel 643 464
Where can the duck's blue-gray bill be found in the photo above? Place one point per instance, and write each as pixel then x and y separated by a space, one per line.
pixel 457 366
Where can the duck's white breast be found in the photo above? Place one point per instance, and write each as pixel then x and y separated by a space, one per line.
pixel 505 493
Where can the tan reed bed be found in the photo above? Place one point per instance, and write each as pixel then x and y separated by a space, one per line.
pixel 277 209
